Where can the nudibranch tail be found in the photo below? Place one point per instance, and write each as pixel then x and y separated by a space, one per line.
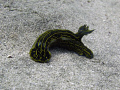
pixel 87 53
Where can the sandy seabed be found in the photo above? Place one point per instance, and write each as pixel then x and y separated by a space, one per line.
pixel 22 21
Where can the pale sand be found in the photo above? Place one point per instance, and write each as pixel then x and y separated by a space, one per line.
pixel 22 21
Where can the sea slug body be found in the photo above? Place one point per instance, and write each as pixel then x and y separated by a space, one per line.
pixel 61 38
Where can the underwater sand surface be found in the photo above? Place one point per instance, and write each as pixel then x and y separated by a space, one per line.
pixel 22 21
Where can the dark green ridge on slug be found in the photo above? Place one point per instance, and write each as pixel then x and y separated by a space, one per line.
pixel 62 38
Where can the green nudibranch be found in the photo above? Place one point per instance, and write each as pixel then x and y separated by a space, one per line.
pixel 60 38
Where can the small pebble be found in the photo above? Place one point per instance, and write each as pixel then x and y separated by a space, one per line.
pixel 9 56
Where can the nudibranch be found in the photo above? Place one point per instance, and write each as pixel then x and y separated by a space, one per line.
pixel 60 38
